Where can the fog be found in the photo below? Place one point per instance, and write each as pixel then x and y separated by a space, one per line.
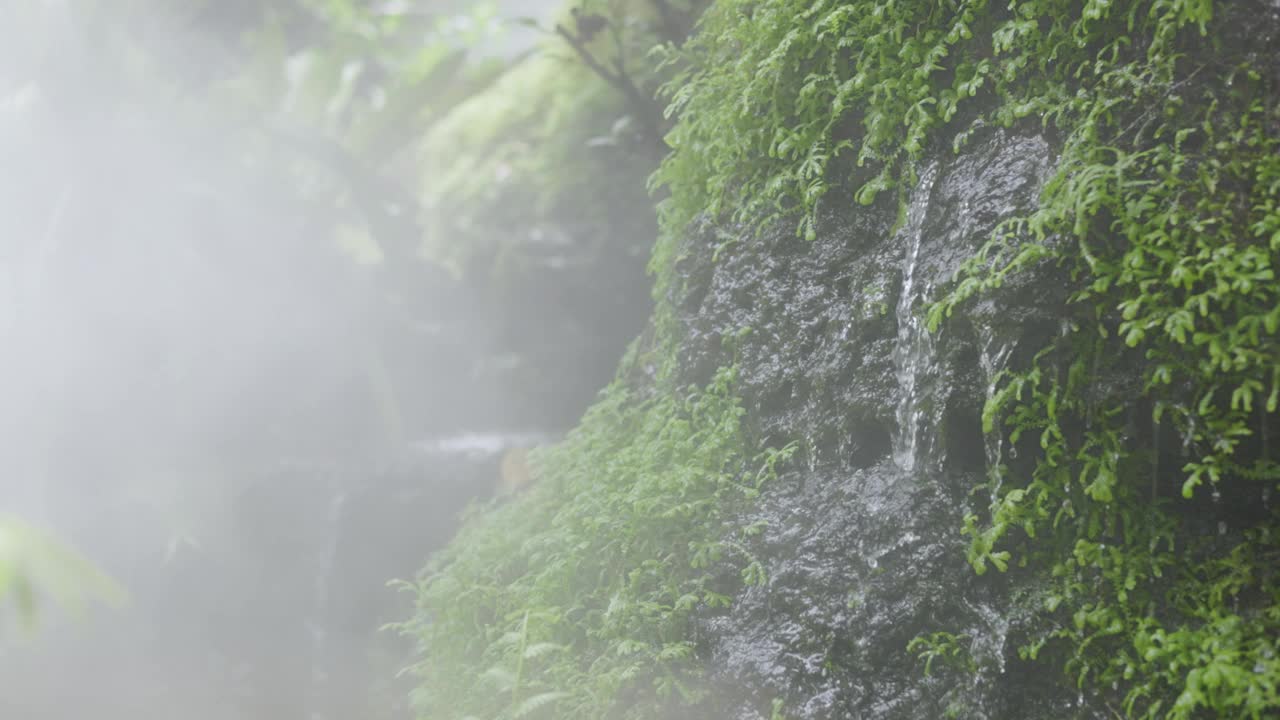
pixel 228 377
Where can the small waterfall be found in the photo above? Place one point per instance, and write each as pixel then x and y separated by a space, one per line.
pixel 992 361
pixel 913 355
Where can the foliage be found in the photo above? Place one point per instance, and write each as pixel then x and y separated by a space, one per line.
pixel 1164 213
pixel 33 563
pixel 771 94
pixel 535 149
pixel 549 151
pixel 576 600
pixel 942 647
pixel 1169 191
pixel 375 79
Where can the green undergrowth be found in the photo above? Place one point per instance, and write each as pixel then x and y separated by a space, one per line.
pixel 575 599
pixel 1141 492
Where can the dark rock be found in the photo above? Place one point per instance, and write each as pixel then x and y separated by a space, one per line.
pixel 862 547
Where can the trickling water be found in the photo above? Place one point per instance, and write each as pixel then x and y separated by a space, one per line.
pixel 811 453
pixel 913 354
pixel 992 360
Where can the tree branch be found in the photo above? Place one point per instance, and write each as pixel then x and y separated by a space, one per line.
pixel 642 106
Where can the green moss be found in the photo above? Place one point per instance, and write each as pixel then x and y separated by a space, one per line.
pixel 575 600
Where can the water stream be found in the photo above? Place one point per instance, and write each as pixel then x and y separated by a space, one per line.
pixel 992 361
pixel 913 354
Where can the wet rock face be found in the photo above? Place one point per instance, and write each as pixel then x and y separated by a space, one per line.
pixel 862 545
pixel 819 363
pixel 857 569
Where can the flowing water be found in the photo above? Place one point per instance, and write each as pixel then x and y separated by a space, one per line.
pixel 995 353
pixel 913 355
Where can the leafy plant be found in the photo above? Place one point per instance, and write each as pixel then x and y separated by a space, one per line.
pixel 941 646
pixel 1166 196
pixel 1164 215
pixel 33 563
pixel 577 598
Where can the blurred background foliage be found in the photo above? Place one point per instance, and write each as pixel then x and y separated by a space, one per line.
pixel 441 184
pixel 242 240
pixel 33 564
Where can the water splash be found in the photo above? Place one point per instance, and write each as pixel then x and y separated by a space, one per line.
pixel 913 354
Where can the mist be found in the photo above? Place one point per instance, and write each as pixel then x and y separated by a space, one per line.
pixel 635 359
pixel 235 376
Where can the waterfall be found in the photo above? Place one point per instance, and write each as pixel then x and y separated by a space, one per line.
pixel 913 355
pixel 992 361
